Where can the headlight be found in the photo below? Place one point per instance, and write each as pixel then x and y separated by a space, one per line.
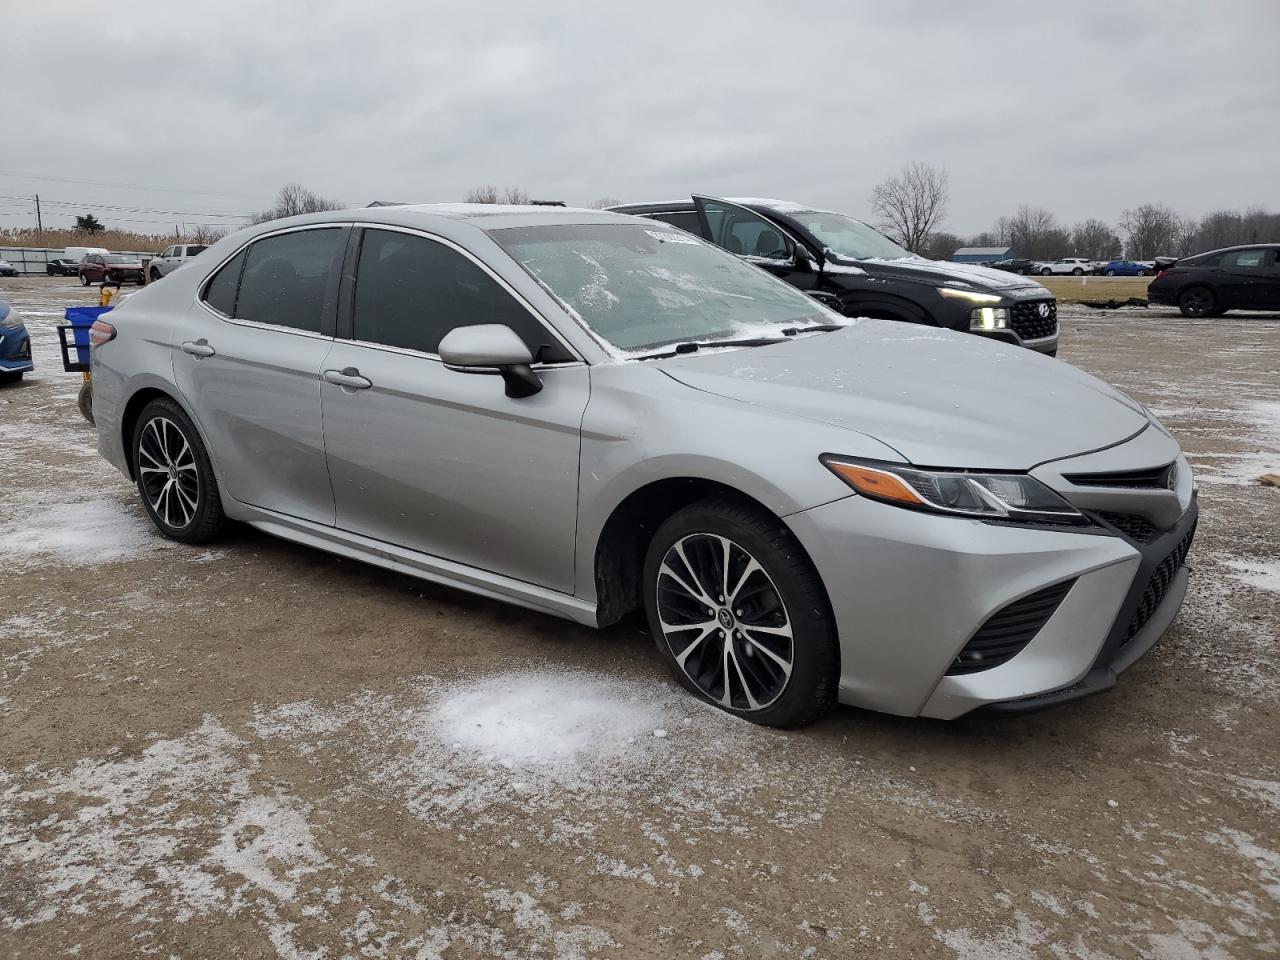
pixel 989 318
pixel 973 296
pixel 990 496
pixel 10 319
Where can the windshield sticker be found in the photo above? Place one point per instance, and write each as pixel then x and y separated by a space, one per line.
pixel 668 236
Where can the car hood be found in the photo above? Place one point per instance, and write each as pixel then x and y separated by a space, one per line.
pixel 939 398
pixel 938 271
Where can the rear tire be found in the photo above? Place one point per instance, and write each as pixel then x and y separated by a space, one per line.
pixel 84 280
pixel 174 474
pixel 1111 273
pixel 84 401
pixel 1197 302
pixel 762 645
pixel 1077 272
pixel 1045 271
pixel 1144 272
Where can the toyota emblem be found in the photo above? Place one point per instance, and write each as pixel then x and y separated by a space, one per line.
pixel 1044 311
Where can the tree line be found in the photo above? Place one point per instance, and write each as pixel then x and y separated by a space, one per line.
pixel 911 205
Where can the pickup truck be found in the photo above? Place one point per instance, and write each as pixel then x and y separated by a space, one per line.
pixel 1073 266
pixel 173 257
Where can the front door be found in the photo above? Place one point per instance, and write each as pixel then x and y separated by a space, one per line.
pixel 250 362
pixel 1244 278
pixel 755 239
pixel 444 462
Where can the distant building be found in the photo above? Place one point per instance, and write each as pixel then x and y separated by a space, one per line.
pixel 982 254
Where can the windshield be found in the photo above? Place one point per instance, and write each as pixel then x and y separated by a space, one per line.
pixel 116 258
pixel 849 237
pixel 642 287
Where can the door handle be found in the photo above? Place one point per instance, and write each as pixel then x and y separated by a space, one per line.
pixel 348 378
pixel 198 348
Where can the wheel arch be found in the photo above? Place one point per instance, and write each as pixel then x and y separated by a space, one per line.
pixel 626 534
pixel 133 409
pixel 887 308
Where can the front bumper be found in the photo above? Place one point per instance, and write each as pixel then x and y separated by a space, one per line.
pixel 15 350
pixel 910 590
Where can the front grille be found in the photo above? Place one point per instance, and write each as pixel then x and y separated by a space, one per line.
pixel 1008 630
pixel 1152 478
pixel 1134 526
pixel 1027 323
pixel 1158 586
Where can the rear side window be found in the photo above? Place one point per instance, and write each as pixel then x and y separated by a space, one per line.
pixel 685 221
pixel 411 291
pixel 286 278
pixel 1246 259
pixel 221 291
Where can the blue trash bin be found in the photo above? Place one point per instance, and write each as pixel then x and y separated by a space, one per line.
pixel 81 319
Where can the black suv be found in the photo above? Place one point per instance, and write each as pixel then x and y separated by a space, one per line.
pixel 862 273
pixel 1210 284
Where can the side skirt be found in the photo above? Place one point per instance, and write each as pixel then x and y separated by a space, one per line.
pixel 415 564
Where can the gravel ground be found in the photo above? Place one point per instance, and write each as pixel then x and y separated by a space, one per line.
pixel 258 750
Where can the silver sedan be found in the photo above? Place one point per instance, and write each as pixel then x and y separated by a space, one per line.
pixel 588 414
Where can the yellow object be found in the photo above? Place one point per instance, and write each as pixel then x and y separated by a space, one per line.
pixel 104 298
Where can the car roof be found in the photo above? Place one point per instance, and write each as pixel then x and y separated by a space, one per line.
pixel 680 206
pixel 486 216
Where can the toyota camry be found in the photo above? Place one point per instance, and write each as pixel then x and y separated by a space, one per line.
pixel 591 414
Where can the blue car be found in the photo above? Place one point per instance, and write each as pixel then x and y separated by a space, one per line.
pixel 15 346
pixel 1125 268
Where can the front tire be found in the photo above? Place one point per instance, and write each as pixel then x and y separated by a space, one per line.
pixel 174 475
pixel 1111 273
pixel 155 274
pixel 1197 302
pixel 84 401
pixel 740 614
pixel 1045 271
pixel 11 376
pixel 84 279
pixel 1077 272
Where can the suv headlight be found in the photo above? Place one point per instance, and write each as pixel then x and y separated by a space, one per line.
pixel 10 319
pixel 1013 497
pixel 989 318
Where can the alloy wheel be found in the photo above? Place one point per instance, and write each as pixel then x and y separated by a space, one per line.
pixel 1197 302
pixel 724 621
pixel 167 469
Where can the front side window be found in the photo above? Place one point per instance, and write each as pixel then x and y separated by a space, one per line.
pixel 685 220
pixel 168 252
pixel 286 278
pixel 743 232
pixel 849 238
pixel 411 291
pixel 640 287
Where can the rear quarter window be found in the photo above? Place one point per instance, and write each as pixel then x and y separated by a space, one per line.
pixel 220 293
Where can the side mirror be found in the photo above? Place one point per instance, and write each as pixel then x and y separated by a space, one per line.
pixel 490 346
pixel 802 258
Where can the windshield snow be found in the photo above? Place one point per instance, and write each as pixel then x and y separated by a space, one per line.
pixel 641 287
pixel 849 237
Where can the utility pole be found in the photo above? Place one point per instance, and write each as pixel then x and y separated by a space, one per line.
pixel 39 222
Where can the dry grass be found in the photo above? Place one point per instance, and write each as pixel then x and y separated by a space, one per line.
pixel 111 239
pixel 1095 289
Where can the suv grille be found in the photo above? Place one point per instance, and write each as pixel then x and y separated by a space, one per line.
pixel 1133 525
pixel 1027 323
pixel 1158 586
pixel 1152 478
pixel 1008 630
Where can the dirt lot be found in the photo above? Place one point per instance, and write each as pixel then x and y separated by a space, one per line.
pixel 1096 289
pixel 259 750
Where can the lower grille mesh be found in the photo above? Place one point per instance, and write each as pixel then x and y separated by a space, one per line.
pixel 1008 630
pixel 1158 586
pixel 1134 526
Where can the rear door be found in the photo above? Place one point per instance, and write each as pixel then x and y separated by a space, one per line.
pixel 1245 278
pixel 754 238
pixel 249 365
pixel 440 461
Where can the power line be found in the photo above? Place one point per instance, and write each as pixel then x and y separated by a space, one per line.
pixel 79 205
pixel 127 186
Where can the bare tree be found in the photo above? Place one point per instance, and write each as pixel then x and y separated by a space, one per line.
pixel 1031 233
pixel 294 199
pixel 1150 230
pixel 1186 236
pixel 942 245
pixel 601 203
pixel 206 234
pixel 515 195
pixel 486 194
pixel 1095 240
pixel 912 204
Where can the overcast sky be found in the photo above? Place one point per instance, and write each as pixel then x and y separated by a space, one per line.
pixel 1083 107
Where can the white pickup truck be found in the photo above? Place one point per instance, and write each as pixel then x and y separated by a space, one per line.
pixel 1074 266
pixel 172 258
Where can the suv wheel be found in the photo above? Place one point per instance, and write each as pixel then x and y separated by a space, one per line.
pixel 1197 302
pixel 1045 271
pixel 1078 272
pixel 740 614
pixel 174 474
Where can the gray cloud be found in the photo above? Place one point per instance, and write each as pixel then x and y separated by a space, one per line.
pixel 1085 107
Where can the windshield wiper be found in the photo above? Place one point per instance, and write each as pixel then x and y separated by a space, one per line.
pixel 693 346
pixel 816 328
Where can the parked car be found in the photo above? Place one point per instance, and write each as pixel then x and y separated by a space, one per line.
pixel 62 267
pixel 1210 284
pixel 15 346
pixel 1016 265
pixel 587 414
pixel 861 272
pixel 113 267
pixel 1075 266
pixel 173 257
pixel 1124 268
pixel 7 269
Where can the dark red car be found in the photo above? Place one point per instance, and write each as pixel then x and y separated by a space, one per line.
pixel 112 267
